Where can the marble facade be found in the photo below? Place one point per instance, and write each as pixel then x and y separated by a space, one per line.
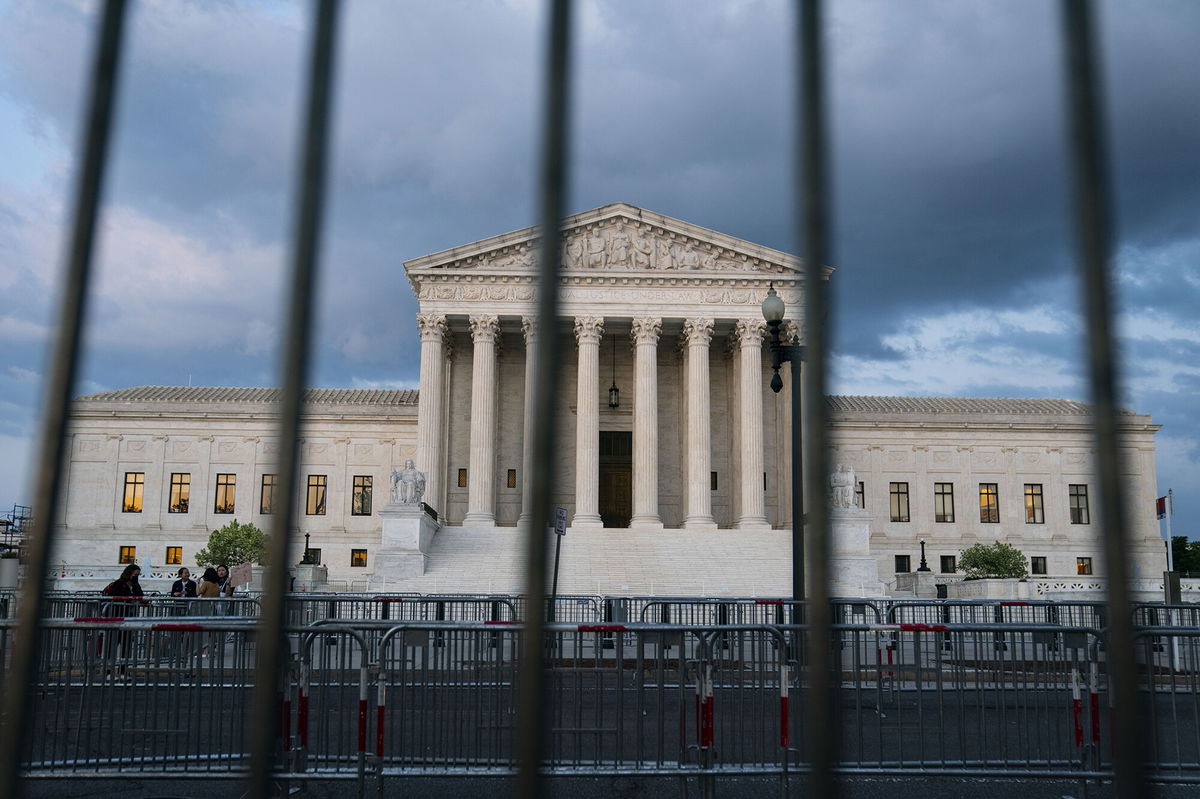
pixel 667 311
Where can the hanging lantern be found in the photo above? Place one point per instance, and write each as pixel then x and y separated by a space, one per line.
pixel 614 393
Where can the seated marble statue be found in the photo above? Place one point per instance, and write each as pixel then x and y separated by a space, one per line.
pixel 408 484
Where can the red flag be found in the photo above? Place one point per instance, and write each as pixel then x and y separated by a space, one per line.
pixel 1161 507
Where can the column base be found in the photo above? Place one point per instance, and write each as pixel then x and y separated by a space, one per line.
pixel 753 523
pixel 479 520
pixel 645 523
pixel 699 523
pixel 587 521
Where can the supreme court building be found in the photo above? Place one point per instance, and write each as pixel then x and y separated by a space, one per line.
pixel 671 457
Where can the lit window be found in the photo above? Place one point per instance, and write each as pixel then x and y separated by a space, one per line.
pixel 181 489
pixel 1083 565
pixel 1037 565
pixel 135 482
pixel 1079 505
pixel 127 555
pixel 860 494
pixel 898 495
pixel 1033 504
pixel 360 502
pixel 226 490
pixel 989 503
pixel 315 505
pixel 266 502
pixel 512 478
pixel 174 556
pixel 903 564
pixel 358 557
pixel 943 502
pixel 949 564
pixel 462 478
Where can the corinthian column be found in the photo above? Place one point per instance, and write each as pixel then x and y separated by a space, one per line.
pixel 645 335
pixel 481 482
pixel 698 333
pixel 588 331
pixel 529 326
pixel 749 333
pixel 430 402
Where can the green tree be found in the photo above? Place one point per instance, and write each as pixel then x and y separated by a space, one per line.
pixel 992 560
pixel 233 544
pixel 1186 554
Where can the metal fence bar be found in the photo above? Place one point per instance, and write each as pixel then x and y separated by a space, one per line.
pixel 294 374
pixel 1094 241
pixel 813 222
pixel 59 386
pixel 532 715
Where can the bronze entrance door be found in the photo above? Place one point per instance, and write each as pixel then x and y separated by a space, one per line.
pixel 616 478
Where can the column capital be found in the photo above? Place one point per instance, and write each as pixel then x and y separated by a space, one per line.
pixel 432 326
pixel 589 329
pixel 698 332
pixel 792 329
pixel 645 331
pixel 529 326
pixel 485 329
pixel 749 332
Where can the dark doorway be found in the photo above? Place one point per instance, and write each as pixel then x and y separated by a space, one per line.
pixel 616 478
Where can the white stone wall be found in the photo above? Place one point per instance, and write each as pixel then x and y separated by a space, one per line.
pixel 924 452
pixel 104 447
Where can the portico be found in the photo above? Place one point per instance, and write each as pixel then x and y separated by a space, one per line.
pixel 667 310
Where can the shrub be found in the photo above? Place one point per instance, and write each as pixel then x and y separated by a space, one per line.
pixel 233 544
pixel 992 560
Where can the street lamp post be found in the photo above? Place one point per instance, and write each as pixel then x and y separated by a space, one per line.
pixel 924 567
pixel 783 352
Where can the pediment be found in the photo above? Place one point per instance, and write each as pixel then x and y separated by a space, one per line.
pixel 617 238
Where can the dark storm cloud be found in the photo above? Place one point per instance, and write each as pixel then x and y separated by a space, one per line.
pixel 953 245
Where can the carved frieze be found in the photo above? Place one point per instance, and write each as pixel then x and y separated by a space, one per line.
pixel 621 243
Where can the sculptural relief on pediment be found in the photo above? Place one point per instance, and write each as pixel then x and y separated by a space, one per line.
pixel 623 244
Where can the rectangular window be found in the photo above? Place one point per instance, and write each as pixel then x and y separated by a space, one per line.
pixel 266 497
pixel 949 564
pixel 174 556
pixel 943 502
pixel 989 503
pixel 898 495
pixel 127 555
pixel 1033 504
pixel 181 489
pixel 226 490
pixel 358 557
pixel 462 478
pixel 1079 505
pixel 135 482
pixel 315 506
pixel 1037 565
pixel 903 564
pixel 860 494
pixel 512 478
pixel 1083 565
pixel 712 481
pixel 360 502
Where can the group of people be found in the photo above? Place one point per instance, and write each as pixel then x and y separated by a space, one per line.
pixel 214 582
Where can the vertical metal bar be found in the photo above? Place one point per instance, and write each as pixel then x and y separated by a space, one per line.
pixel 552 181
pixel 272 648
pixel 60 382
pixel 1094 241
pixel 812 190
pixel 823 734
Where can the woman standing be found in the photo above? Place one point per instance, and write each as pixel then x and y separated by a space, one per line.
pixel 185 586
pixel 210 584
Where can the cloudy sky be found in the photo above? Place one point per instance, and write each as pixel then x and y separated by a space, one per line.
pixel 953 240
